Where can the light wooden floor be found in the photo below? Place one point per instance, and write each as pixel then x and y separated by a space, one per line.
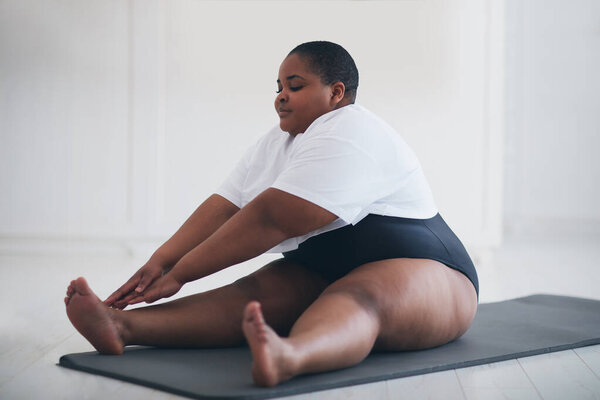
pixel 35 331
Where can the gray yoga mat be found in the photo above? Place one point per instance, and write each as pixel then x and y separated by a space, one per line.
pixel 509 329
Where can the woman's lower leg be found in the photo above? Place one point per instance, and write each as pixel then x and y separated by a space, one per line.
pixel 336 331
pixel 207 319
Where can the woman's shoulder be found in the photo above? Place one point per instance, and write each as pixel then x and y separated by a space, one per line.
pixel 352 118
pixel 357 124
pixel 351 112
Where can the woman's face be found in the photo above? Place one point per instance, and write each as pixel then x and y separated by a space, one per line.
pixel 302 97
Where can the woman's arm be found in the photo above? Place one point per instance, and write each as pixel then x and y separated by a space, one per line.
pixel 207 218
pixel 266 221
pixel 203 222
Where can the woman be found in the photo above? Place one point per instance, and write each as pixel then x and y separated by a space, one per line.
pixel 368 263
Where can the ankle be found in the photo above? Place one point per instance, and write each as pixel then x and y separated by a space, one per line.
pixel 292 356
pixel 118 318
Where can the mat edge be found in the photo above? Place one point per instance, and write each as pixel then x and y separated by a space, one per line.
pixel 65 362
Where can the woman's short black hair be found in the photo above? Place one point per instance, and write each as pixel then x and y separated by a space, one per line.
pixel 332 63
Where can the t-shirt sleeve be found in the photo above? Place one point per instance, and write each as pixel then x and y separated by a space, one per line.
pixel 233 185
pixel 338 175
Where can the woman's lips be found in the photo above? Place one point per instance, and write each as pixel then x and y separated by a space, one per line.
pixel 283 112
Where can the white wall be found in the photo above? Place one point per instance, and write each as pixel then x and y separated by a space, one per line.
pixel 117 118
pixel 553 116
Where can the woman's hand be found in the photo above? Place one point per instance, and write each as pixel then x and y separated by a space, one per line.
pixel 143 278
pixel 165 286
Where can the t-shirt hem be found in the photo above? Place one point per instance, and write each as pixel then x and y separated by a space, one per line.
pixel 229 196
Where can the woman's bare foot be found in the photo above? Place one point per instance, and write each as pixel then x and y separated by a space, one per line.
pixel 92 318
pixel 272 356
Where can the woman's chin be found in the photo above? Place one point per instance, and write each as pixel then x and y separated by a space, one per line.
pixel 286 128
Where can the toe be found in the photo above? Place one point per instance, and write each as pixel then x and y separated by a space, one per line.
pixel 252 311
pixel 258 315
pixel 82 287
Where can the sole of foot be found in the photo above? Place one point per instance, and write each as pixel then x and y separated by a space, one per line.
pixel 270 354
pixel 92 318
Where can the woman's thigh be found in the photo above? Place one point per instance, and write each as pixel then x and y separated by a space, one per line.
pixel 420 303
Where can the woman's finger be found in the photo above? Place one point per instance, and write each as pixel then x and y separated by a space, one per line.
pixel 152 296
pixel 154 292
pixel 123 290
pixel 147 279
pixel 113 298
pixel 131 296
pixel 136 300
pixel 124 302
pixel 120 305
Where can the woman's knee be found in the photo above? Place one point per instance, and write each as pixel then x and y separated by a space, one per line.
pixel 248 287
pixel 364 291
pixel 263 282
pixel 281 282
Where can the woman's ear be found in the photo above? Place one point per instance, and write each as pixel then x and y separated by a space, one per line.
pixel 337 93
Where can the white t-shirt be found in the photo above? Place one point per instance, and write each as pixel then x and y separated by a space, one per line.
pixel 348 161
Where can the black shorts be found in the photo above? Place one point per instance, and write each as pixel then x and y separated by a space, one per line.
pixel 376 237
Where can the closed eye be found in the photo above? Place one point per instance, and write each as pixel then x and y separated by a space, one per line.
pixel 292 88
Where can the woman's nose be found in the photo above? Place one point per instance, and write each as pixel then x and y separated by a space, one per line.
pixel 282 97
